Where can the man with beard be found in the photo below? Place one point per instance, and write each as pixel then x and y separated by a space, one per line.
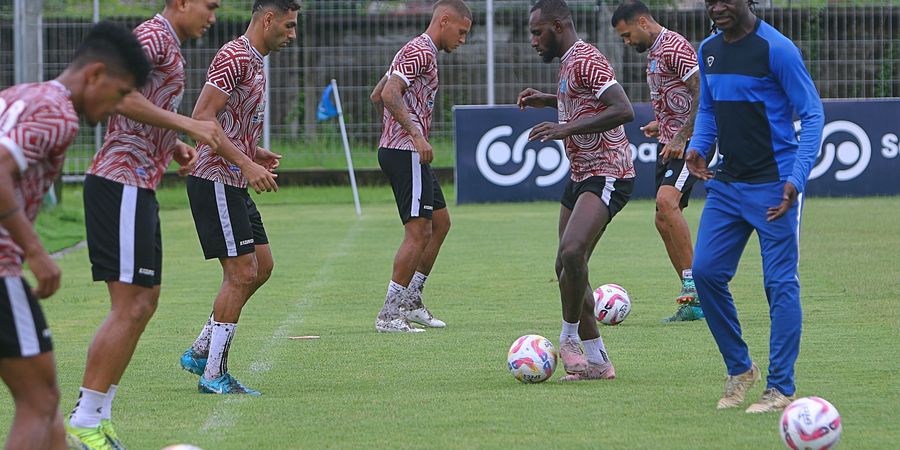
pixel 674 93
pixel 592 109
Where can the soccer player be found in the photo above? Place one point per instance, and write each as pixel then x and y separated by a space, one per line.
pixel 406 95
pixel 752 82
pixel 674 93
pixel 37 124
pixel 592 109
pixel 228 224
pixel 121 211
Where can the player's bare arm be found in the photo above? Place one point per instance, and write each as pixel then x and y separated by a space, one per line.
pixel 212 102
pixel 535 99
pixel 618 112
pixel 675 147
pixel 392 96
pixel 13 219
pixel 376 98
pixel 137 107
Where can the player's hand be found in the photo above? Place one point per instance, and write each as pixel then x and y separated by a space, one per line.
pixel 545 131
pixel 697 165
pixel 530 97
pixel 260 178
pixel 426 153
pixel 206 131
pixel 267 159
pixel 186 157
pixel 45 271
pixel 787 201
pixel 674 149
pixel 651 130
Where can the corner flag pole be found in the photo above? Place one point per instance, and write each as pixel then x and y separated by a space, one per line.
pixel 340 110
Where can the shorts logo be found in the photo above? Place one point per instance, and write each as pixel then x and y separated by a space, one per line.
pixel 669 173
pixel 46 333
pixel 428 208
pixel 247 241
pixel 148 272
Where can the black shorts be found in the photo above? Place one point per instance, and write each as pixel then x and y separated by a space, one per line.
pixel 675 173
pixel 23 329
pixel 416 189
pixel 228 223
pixel 123 235
pixel 614 192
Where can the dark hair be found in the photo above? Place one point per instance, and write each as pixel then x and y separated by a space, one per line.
pixel 116 47
pixel 552 9
pixel 457 5
pixel 628 11
pixel 750 3
pixel 282 6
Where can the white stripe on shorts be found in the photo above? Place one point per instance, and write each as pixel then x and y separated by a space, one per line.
pixel 416 185
pixel 225 219
pixel 682 177
pixel 21 311
pixel 608 189
pixel 126 233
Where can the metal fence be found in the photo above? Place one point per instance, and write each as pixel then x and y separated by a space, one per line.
pixel 852 49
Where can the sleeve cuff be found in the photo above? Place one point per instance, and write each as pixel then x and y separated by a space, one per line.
pixel 17 153
pixel 217 87
pixel 691 72
pixel 798 185
pixel 402 77
pixel 605 87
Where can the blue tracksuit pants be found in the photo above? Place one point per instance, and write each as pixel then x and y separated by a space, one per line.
pixel 732 212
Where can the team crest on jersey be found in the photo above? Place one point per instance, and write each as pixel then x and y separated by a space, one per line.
pixel 563 85
pixel 260 112
pixel 710 60
pixel 653 65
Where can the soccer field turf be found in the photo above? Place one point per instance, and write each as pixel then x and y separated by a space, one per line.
pixel 493 282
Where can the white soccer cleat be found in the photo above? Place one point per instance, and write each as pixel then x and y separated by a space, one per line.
pixel 422 316
pixel 398 325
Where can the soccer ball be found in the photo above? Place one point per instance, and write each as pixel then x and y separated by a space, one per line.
pixel 532 358
pixel 810 423
pixel 611 304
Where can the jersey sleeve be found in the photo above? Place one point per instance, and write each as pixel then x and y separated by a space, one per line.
pixel 596 75
pixel 34 139
pixel 682 59
pixel 410 62
pixel 787 65
pixel 705 129
pixel 227 70
pixel 153 43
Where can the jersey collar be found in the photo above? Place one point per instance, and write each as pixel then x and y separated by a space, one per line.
pixel 570 50
pixel 430 42
pixel 659 39
pixel 169 27
pixel 251 47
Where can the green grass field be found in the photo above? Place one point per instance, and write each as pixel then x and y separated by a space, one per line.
pixel 494 281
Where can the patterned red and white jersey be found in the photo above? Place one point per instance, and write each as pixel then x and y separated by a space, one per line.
pixel 584 75
pixel 134 153
pixel 37 124
pixel 237 70
pixel 670 62
pixel 416 65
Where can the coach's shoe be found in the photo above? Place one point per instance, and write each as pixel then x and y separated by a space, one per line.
pixel 86 438
pixel 573 357
pixel 193 362
pixel 422 316
pixel 106 426
pixel 685 313
pixel 225 384
pixel 771 400
pixel 736 387
pixel 604 371
pixel 398 325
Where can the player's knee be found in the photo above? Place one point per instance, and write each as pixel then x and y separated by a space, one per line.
pixel 571 257
pixel 666 206
pixel 419 231
pixel 242 276
pixel 41 402
pixel 264 272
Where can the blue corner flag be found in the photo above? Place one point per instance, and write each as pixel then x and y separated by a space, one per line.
pixel 326 109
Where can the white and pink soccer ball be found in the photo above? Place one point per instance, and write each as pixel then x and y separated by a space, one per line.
pixel 810 423
pixel 611 304
pixel 532 359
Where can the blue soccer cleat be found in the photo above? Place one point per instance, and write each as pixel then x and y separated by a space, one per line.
pixel 193 362
pixel 225 384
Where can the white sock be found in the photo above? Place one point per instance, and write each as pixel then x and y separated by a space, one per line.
pixel 596 351
pixel 569 330
pixel 220 343
pixel 88 409
pixel 107 403
pixel 687 274
pixel 201 345
pixel 392 301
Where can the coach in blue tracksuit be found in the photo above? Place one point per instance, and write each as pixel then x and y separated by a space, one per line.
pixel 752 81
